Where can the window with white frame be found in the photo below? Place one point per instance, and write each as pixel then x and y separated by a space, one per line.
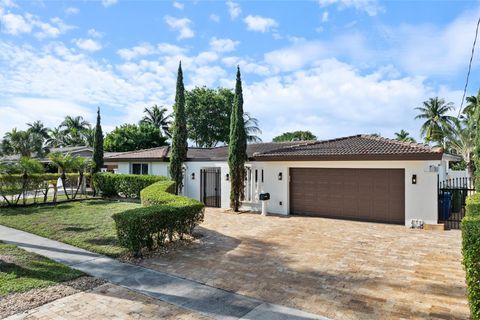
pixel 139 168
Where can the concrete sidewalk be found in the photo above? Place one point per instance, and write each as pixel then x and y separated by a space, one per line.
pixel 200 298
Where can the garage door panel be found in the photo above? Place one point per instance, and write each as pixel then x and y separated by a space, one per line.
pixel 360 194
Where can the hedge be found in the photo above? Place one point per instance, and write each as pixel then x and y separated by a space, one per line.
pixel 163 216
pixel 13 186
pixel 471 253
pixel 123 185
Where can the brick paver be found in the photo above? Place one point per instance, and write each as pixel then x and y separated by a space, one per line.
pixel 339 269
pixel 107 302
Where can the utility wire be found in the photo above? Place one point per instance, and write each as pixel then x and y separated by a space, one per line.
pixel 469 68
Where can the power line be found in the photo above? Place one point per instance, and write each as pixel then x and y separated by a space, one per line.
pixel 469 68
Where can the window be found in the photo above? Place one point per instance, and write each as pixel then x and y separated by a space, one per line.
pixel 262 176
pixel 140 168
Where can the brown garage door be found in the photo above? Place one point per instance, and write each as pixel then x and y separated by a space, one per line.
pixel 358 194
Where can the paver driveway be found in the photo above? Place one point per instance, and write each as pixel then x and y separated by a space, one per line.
pixel 335 268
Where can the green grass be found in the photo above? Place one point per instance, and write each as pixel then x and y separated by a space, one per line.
pixel 21 271
pixel 85 224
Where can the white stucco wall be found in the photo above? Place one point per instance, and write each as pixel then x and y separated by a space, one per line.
pixel 420 198
pixel 123 167
pixel 192 187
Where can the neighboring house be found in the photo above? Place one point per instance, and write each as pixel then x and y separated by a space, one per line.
pixel 359 177
pixel 79 151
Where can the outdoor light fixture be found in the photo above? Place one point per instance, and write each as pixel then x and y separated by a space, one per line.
pixel 227 177
pixel 280 176
pixel 193 175
pixel 414 179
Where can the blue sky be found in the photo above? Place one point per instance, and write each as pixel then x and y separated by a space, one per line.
pixel 334 67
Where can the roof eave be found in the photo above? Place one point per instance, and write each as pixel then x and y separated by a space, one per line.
pixel 355 157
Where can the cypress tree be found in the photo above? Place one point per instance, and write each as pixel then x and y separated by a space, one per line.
pixel 237 147
pixel 98 146
pixel 179 134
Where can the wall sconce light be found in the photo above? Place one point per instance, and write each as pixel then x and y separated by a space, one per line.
pixel 414 179
pixel 280 176
pixel 193 175
pixel 227 177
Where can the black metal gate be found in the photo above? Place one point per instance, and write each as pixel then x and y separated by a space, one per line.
pixel 210 187
pixel 452 194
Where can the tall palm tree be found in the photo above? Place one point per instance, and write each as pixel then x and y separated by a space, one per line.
pixel 158 117
pixel 473 103
pixel 24 143
pixel 56 138
pixel 437 123
pixel 39 128
pixel 74 123
pixel 462 141
pixel 404 136
pixel 252 128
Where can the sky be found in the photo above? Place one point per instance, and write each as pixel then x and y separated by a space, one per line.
pixel 334 67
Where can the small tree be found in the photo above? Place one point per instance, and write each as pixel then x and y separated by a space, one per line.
pixel 237 147
pixel 98 146
pixel 63 162
pixel 179 134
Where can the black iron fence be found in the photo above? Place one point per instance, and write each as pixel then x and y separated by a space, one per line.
pixel 452 194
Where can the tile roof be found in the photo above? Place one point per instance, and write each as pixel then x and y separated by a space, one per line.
pixel 157 154
pixel 195 154
pixel 358 147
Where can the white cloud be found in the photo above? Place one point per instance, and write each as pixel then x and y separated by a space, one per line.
pixel 14 24
pixel 147 49
pixel 88 44
pixel 223 45
pixel 17 112
pixel 314 99
pixel 213 17
pixel 182 25
pixel 233 9
pixel 94 33
pixel 178 5
pixel 72 11
pixel 371 7
pixel 413 46
pixel 108 3
pixel 259 24
pixel 325 16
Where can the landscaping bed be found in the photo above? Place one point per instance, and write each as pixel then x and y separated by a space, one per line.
pixel 28 280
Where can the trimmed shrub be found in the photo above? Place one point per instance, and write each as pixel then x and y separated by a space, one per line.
pixel 164 216
pixel 472 205
pixel 471 253
pixel 123 185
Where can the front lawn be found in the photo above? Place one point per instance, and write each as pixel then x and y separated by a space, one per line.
pixel 21 271
pixel 84 224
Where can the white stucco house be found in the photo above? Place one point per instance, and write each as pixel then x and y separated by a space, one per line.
pixel 359 177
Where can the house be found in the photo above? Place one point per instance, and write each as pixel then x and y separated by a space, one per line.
pixel 76 151
pixel 361 177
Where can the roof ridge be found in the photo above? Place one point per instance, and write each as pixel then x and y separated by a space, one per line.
pixel 403 143
pixel 141 150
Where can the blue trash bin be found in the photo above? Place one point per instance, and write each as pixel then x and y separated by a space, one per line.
pixel 446 205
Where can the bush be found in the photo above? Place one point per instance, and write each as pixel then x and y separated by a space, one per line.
pixel 472 205
pixel 163 216
pixel 471 253
pixel 123 185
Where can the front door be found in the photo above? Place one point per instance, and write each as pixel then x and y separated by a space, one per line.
pixel 210 192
